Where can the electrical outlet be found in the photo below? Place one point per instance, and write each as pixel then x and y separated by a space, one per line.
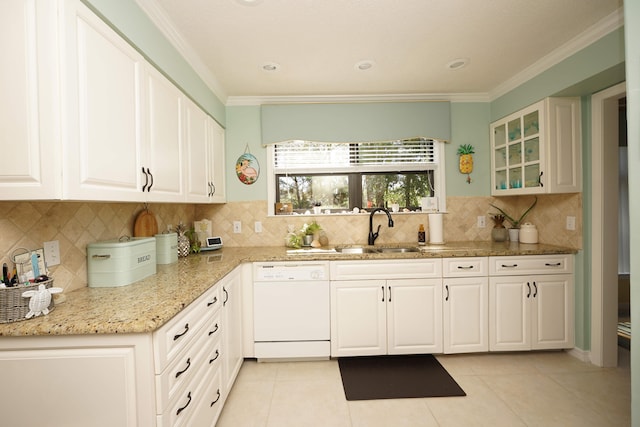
pixel 52 252
pixel 482 221
pixel 257 227
pixel 571 223
pixel 237 227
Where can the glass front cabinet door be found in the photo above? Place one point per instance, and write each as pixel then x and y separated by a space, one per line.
pixel 534 153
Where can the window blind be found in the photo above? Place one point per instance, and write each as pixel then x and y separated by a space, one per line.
pixel 407 154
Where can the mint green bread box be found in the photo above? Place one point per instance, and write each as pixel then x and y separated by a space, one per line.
pixel 113 263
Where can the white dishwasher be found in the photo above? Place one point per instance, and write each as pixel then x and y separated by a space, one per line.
pixel 291 317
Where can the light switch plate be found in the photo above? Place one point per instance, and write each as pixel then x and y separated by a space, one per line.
pixel 52 252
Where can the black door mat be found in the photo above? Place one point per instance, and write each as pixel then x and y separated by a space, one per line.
pixel 396 377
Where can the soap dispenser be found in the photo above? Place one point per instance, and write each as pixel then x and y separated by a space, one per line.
pixel 421 235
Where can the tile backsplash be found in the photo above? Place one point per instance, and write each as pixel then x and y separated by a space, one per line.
pixel 75 224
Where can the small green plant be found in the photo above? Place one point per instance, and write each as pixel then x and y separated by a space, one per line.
pixel 515 222
pixel 312 228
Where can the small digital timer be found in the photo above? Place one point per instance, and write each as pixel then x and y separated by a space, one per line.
pixel 213 243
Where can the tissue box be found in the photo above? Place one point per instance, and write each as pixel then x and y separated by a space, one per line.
pixel 166 248
pixel 113 263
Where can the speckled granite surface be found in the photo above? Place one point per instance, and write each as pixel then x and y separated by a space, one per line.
pixel 146 305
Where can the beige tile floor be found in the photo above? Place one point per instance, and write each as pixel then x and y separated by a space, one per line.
pixel 514 389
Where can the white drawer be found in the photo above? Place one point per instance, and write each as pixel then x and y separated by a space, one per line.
pixel 169 340
pixel 387 269
pixel 184 366
pixel 465 267
pixel 209 407
pixel 188 401
pixel 531 264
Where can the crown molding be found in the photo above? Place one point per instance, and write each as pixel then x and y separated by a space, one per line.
pixel 326 99
pixel 611 22
pixel 158 16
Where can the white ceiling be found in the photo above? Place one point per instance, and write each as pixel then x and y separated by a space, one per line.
pixel 317 43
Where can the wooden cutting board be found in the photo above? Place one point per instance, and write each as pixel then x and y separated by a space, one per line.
pixel 145 224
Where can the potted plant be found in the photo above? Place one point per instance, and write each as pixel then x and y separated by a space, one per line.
pixel 310 233
pixel 499 233
pixel 515 223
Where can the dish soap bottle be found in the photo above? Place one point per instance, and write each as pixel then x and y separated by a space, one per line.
pixel 421 235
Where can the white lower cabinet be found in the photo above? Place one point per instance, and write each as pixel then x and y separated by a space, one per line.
pixel 531 311
pixel 231 289
pixel 465 305
pixel 100 381
pixel 394 316
pixel 179 375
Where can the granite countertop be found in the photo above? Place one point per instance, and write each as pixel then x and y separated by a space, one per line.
pixel 145 306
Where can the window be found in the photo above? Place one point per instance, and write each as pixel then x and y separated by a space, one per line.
pixel 341 176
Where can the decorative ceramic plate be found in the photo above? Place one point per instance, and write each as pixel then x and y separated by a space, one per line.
pixel 247 168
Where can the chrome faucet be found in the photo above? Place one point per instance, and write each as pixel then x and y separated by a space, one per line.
pixel 373 236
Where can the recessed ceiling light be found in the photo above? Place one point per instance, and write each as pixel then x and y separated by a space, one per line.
pixel 249 2
pixel 458 63
pixel 270 66
pixel 364 65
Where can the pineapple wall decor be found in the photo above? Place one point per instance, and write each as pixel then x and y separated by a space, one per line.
pixel 465 151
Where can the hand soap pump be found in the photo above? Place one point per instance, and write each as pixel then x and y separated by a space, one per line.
pixel 421 235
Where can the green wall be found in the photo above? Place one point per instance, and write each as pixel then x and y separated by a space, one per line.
pixel 469 125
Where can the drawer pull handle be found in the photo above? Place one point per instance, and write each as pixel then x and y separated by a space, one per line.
pixel 468 267
pixel 146 180
pixel 529 290
pixel 557 264
pixel 185 369
pixel 215 329
pixel 446 287
pixel 185 406
pixel 186 329
pixel 101 256
pixel 509 266
pixel 217 398
pixel 215 300
pixel 216 357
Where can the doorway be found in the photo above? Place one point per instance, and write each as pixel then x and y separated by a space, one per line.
pixel 604 225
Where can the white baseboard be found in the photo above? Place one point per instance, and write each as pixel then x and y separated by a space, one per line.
pixel 580 354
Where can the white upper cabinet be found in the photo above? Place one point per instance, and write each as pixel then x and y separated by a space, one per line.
pixel 197 140
pixel 85 117
pixel 216 162
pixel 538 149
pixel 29 117
pixel 163 149
pixel 102 90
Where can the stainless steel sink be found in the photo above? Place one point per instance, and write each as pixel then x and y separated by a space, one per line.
pixel 372 250
pixel 356 250
pixel 397 250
